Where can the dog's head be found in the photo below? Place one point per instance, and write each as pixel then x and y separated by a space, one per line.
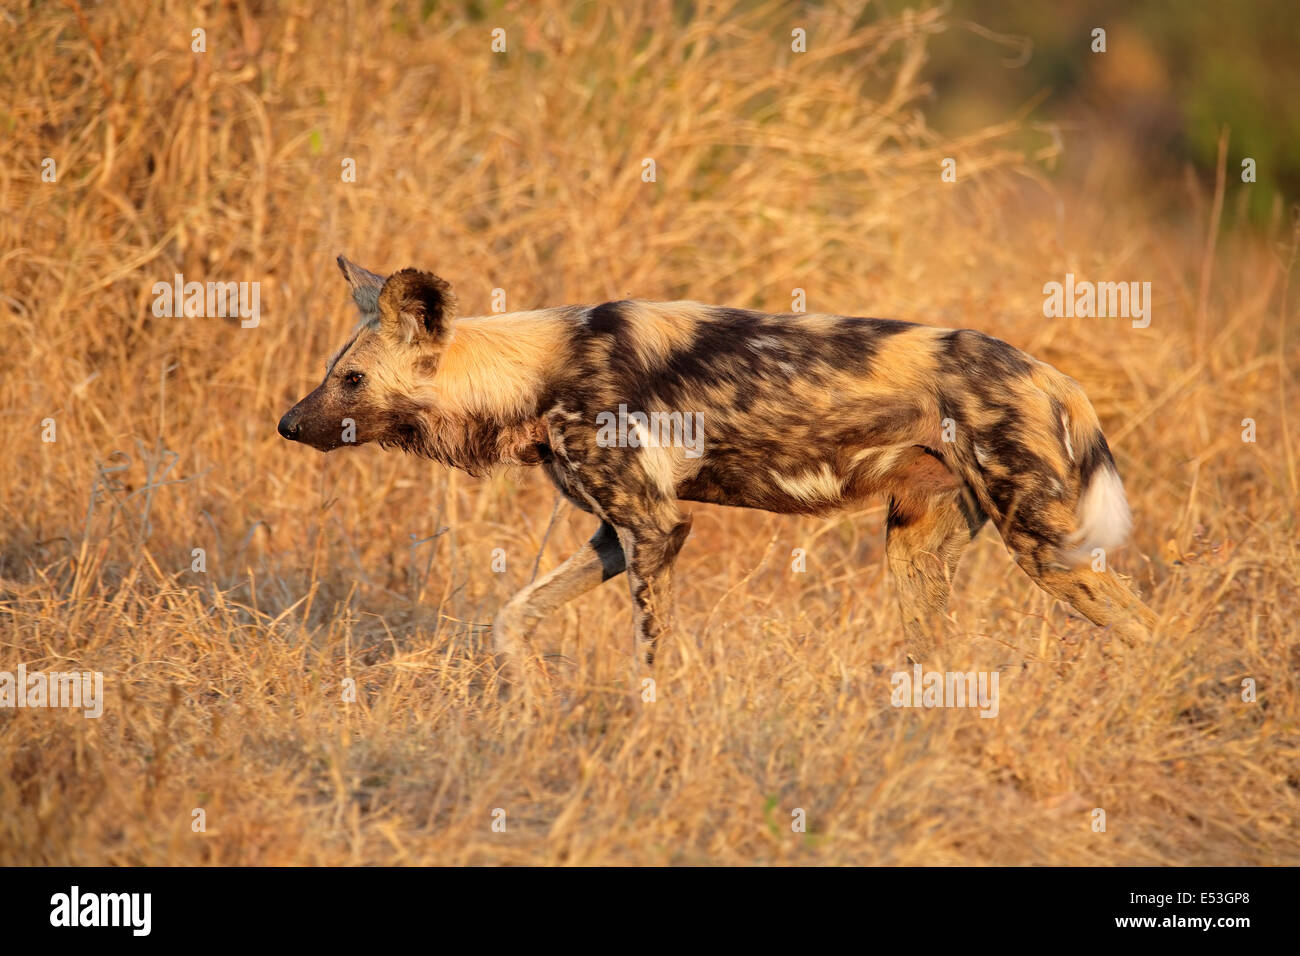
pixel 376 385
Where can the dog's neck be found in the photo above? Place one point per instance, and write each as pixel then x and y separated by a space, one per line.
pixel 481 407
pixel 473 445
pixel 498 366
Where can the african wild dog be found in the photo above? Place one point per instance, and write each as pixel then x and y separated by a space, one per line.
pixel 803 414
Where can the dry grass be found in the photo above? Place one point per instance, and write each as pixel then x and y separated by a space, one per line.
pixel 522 172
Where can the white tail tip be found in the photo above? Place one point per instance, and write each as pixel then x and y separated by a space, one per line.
pixel 1104 518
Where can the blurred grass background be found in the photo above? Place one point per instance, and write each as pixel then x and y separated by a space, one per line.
pixel 522 171
pixel 1172 75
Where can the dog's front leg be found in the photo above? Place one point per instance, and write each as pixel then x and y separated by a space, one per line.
pixel 651 549
pixel 597 561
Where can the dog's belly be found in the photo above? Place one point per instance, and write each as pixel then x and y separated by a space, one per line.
pixel 815 492
pixel 819 485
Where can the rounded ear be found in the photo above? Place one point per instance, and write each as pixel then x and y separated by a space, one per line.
pixel 365 285
pixel 415 304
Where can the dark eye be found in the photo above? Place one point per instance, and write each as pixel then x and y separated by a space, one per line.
pixel 354 379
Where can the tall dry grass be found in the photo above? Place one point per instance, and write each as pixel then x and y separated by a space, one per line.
pixel 522 171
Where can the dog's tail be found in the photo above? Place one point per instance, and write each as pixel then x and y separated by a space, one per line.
pixel 1035 455
pixel 1103 519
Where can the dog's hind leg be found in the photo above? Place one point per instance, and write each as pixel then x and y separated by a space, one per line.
pixel 1100 596
pixel 597 561
pixel 924 540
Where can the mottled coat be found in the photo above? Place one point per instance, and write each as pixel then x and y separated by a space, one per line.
pixel 801 414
